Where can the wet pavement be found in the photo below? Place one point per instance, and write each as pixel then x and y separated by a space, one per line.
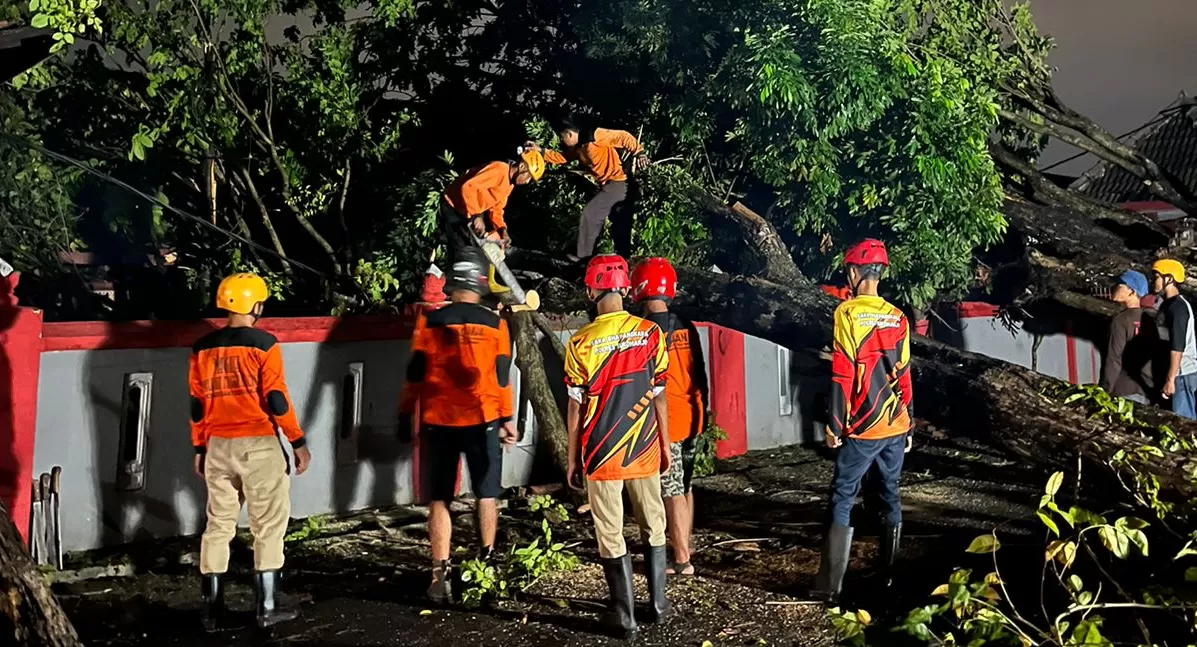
pixel 360 581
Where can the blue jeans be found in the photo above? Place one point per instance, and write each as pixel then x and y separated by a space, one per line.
pixel 1184 401
pixel 854 460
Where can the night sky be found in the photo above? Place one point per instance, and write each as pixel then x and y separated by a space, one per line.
pixel 1119 61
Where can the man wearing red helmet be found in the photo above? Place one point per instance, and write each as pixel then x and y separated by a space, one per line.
pixel 871 411
pixel 654 284
pixel 619 435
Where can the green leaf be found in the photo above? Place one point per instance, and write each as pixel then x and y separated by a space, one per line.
pixel 1191 574
pixel 40 21
pixel 1054 483
pixel 1114 541
pixel 984 544
pixel 1047 521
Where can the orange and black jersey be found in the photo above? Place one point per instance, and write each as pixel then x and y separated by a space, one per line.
pixel 871 395
pixel 686 379
pixel 235 376
pixel 614 367
pixel 460 368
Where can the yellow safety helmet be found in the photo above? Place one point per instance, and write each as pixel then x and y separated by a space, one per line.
pixel 1169 267
pixel 534 160
pixel 240 292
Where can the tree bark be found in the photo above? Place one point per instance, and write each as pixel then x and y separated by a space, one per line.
pixel 30 615
pixel 530 361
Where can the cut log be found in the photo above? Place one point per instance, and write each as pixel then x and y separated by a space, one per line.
pixel 30 615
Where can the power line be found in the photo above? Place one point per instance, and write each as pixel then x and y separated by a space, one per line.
pixel 149 198
pixel 1161 116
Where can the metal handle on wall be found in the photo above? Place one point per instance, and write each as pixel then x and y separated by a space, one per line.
pixel 351 414
pixel 134 429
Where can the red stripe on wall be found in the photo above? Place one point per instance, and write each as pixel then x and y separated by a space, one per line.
pixel 728 397
pixel 100 335
pixel 969 309
pixel 1070 348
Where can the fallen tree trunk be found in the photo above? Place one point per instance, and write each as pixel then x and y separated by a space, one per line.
pixel 531 363
pixel 29 613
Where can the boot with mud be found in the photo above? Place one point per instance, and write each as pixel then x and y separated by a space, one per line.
pixel 620 618
pixel 441 589
pixel 891 537
pixel 654 569
pixel 834 564
pixel 212 597
pixel 270 612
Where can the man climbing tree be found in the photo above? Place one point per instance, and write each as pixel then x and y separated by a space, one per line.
pixel 871 411
pixel 654 284
pixel 475 201
pixel 460 376
pixel 598 151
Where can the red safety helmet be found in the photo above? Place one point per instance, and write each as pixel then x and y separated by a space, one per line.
pixel 654 278
pixel 869 251
pixel 607 272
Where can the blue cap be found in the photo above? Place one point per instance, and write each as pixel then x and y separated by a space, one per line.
pixel 1135 281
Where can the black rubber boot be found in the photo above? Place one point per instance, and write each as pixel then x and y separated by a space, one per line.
pixel 654 570
pixel 891 536
pixel 212 596
pixel 270 612
pixel 441 589
pixel 834 564
pixel 620 616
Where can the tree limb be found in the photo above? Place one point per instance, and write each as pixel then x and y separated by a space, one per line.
pixel 266 222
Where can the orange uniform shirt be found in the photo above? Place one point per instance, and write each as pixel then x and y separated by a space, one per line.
pixel 460 368
pixel 482 190
pixel 237 388
pixel 601 156
pixel 614 367
pixel 686 379
pixel 872 396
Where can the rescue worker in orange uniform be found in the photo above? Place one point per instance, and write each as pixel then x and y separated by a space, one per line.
pixel 654 285
pixel 476 200
pixel 459 374
pixel 871 411
pixel 618 422
pixel 597 150
pixel 239 401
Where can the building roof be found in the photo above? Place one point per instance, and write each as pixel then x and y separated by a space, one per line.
pixel 22 48
pixel 1170 140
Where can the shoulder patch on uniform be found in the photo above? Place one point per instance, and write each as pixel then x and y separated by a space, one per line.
pixel 276 402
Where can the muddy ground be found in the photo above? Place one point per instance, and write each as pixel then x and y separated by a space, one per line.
pixel 360 581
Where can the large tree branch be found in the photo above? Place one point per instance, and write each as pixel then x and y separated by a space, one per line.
pixel 248 181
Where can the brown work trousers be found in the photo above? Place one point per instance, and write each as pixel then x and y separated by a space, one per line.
pixel 252 471
pixel 606 506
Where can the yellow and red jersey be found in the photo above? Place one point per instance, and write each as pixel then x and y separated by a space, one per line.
pixel 460 368
pixel 601 156
pixel 686 379
pixel 482 190
pixel 614 367
pixel 871 394
pixel 235 376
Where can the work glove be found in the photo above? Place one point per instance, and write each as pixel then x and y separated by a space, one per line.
pixel 406 429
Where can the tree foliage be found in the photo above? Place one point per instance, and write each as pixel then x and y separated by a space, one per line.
pixel 323 130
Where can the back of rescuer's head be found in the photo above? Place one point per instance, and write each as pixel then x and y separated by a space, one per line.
pixel 654 283
pixel 242 294
pixel 468 273
pixel 607 276
pixel 865 261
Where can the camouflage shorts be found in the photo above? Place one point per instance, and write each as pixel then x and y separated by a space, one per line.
pixel 676 482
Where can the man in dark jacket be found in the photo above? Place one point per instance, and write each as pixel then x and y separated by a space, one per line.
pixel 1127 371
